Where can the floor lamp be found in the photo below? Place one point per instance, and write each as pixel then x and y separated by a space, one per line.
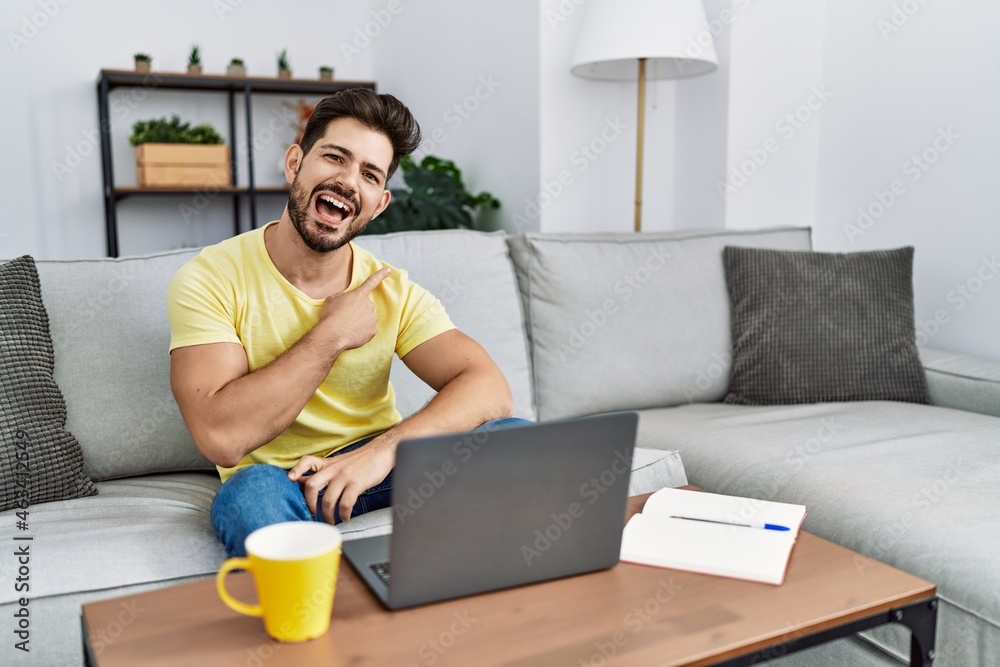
pixel 622 40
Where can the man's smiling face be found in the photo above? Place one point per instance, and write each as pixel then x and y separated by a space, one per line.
pixel 339 186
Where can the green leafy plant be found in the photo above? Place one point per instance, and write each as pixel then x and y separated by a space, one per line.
pixel 236 61
pixel 145 57
pixel 434 197
pixel 173 131
pixel 283 60
pixel 194 58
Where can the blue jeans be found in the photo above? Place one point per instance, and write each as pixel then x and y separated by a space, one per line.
pixel 261 495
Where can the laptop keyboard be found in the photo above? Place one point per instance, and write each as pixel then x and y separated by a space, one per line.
pixel 381 570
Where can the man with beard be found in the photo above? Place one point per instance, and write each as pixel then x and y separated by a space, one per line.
pixel 282 339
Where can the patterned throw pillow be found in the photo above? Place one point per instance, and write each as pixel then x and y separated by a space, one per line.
pixel 40 460
pixel 811 327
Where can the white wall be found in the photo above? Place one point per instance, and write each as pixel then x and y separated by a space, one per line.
pixel 776 102
pixel 905 82
pixel 49 64
pixel 702 130
pixel 469 72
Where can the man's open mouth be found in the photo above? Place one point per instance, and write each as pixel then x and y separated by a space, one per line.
pixel 331 209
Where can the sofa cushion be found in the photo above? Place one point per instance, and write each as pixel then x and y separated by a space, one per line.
pixel 109 329
pixel 902 483
pixel 810 327
pixel 471 273
pixel 40 461
pixel 591 301
pixel 138 530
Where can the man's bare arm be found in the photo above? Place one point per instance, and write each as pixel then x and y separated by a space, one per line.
pixel 230 412
pixel 471 388
pixel 471 391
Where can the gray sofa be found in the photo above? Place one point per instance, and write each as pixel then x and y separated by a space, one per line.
pixel 580 325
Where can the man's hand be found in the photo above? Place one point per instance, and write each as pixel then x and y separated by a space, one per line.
pixel 353 313
pixel 345 477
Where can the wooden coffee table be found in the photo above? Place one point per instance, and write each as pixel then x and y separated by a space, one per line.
pixel 628 615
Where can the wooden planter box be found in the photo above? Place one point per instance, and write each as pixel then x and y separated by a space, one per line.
pixel 182 165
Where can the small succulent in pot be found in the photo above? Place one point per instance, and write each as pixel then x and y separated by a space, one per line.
pixel 284 67
pixel 194 60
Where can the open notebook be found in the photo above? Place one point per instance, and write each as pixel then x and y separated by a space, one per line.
pixel 657 537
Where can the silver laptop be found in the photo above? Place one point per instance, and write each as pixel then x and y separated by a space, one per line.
pixel 480 511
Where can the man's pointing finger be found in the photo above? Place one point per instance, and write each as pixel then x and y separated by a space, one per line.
pixel 372 281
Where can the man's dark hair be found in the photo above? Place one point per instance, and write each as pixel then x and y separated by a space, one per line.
pixel 382 113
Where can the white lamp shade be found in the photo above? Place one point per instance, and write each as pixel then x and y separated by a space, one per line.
pixel 672 35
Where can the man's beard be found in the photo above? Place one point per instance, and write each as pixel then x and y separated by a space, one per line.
pixel 298 210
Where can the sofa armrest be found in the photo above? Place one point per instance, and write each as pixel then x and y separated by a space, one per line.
pixel 961 381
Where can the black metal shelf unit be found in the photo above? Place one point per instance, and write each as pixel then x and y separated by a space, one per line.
pixel 247 86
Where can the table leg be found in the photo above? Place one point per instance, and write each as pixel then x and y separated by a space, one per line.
pixel 921 619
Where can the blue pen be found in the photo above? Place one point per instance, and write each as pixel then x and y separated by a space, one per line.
pixel 765 526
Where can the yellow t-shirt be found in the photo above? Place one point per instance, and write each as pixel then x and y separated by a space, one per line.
pixel 232 293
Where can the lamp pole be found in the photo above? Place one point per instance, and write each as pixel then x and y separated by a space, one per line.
pixel 638 147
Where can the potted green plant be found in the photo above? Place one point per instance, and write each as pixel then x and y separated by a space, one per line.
pixel 236 68
pixel 284 68
pixel 142 62
pixel 433 197
pixel 326 73
pixel 171 153
pixel 194 60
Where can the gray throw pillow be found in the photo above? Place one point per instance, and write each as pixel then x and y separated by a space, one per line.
pixel 812 327
pixel 40 460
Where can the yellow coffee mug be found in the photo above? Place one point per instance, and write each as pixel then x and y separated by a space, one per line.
pixel 294 568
